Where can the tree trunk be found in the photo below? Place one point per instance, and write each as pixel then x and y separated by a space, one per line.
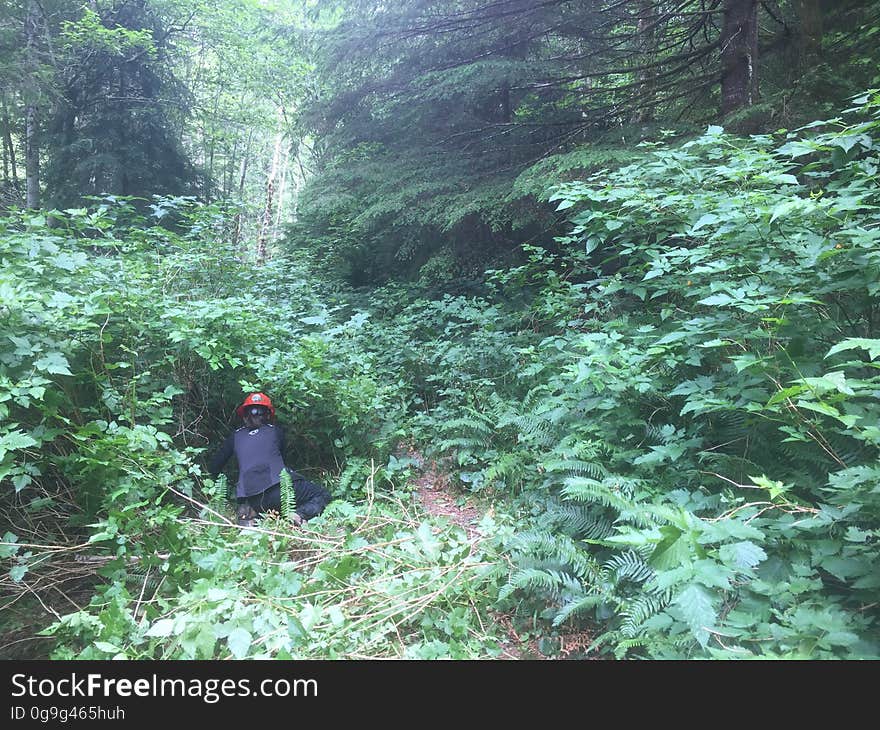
pixel 8 149
pixel 236 228
pixel 229 167
pixel 282 189
pixel 31 134
pixel 646 29
pixel 739 55
pixel 212 144
pixel 810 40
pixel 266 223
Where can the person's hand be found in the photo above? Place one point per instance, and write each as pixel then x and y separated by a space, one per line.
pixel 297 519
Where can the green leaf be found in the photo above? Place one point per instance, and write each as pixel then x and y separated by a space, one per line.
pixel 742 554
pixel 872 346
pixel 162 627
pixel 696 607
pixel 239 641
pixel 784 208
pixel 15 440
pixel 704 220
pixel 7 551
pixel 819 407
pixel 55 363
pixel 741 362
pixel 774 488
pixel 107 647
pixel 717 300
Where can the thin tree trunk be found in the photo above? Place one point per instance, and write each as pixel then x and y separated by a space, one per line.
pixel 31 134
pixel 646 29
pixel 6 141
pixel 236 231
pixel 266 223
pixel 739 55
pixel 229 168
pixel 810 41
pixel 209 181
pixel 281 190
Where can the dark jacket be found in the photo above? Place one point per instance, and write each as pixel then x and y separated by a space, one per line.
pixel 260 463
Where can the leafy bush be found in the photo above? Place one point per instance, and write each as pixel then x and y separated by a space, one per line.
pixel 700 437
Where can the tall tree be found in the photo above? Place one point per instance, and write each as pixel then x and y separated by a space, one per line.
pixel 32 131
pixel 739 54
pixel 116 128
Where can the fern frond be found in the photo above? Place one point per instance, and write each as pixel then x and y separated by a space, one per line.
pixel 461 442
pixel 505 466
pixel 624 645
pixel 575 468
pixel 470 425
pixel 534 429
pixel 556 549
pixel 288 496
pixel 576 607
pixel 640 609
pixel 530 579
pixel 580 521
pixel 355 468
pixel 607 492
pixel 630 566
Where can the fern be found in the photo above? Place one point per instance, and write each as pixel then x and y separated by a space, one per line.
pixel 578 606
pixel 560 550
pixel 288 496
pixel 533 428
pixel 471 425
pixel 580 521
pixel 640 609
pixel 629 566
pixel 354 469
pixel 461 442
pixel 532 579
pixel 505 467
pixel 573 467
pixel 622 646
pixel 611 492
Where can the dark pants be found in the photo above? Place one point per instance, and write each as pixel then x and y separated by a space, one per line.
pixel 311 498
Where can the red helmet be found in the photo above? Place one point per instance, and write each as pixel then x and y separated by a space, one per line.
pixel 256 399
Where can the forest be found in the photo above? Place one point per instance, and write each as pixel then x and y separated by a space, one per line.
pixel 602 277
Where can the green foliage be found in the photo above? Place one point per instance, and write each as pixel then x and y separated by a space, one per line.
pixel 350 586
pixel 703 402
pixel 675 399
pixel 288 496
pixel 123 363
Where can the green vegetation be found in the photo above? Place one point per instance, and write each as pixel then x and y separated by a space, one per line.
pixel 646 346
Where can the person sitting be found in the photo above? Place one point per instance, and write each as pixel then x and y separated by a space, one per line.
pixel 259 447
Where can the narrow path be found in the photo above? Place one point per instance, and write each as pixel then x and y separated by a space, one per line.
pixel 438 497
pixel 441 498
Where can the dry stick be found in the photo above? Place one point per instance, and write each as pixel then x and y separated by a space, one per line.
pixel 73 603
pixel 817 436
pixel 141 596
pixel 201 506
pixel 51 548
pixel 427 600
pixel 371 493
pixel 49 609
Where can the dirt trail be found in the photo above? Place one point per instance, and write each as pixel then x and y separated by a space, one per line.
pixel 439 497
